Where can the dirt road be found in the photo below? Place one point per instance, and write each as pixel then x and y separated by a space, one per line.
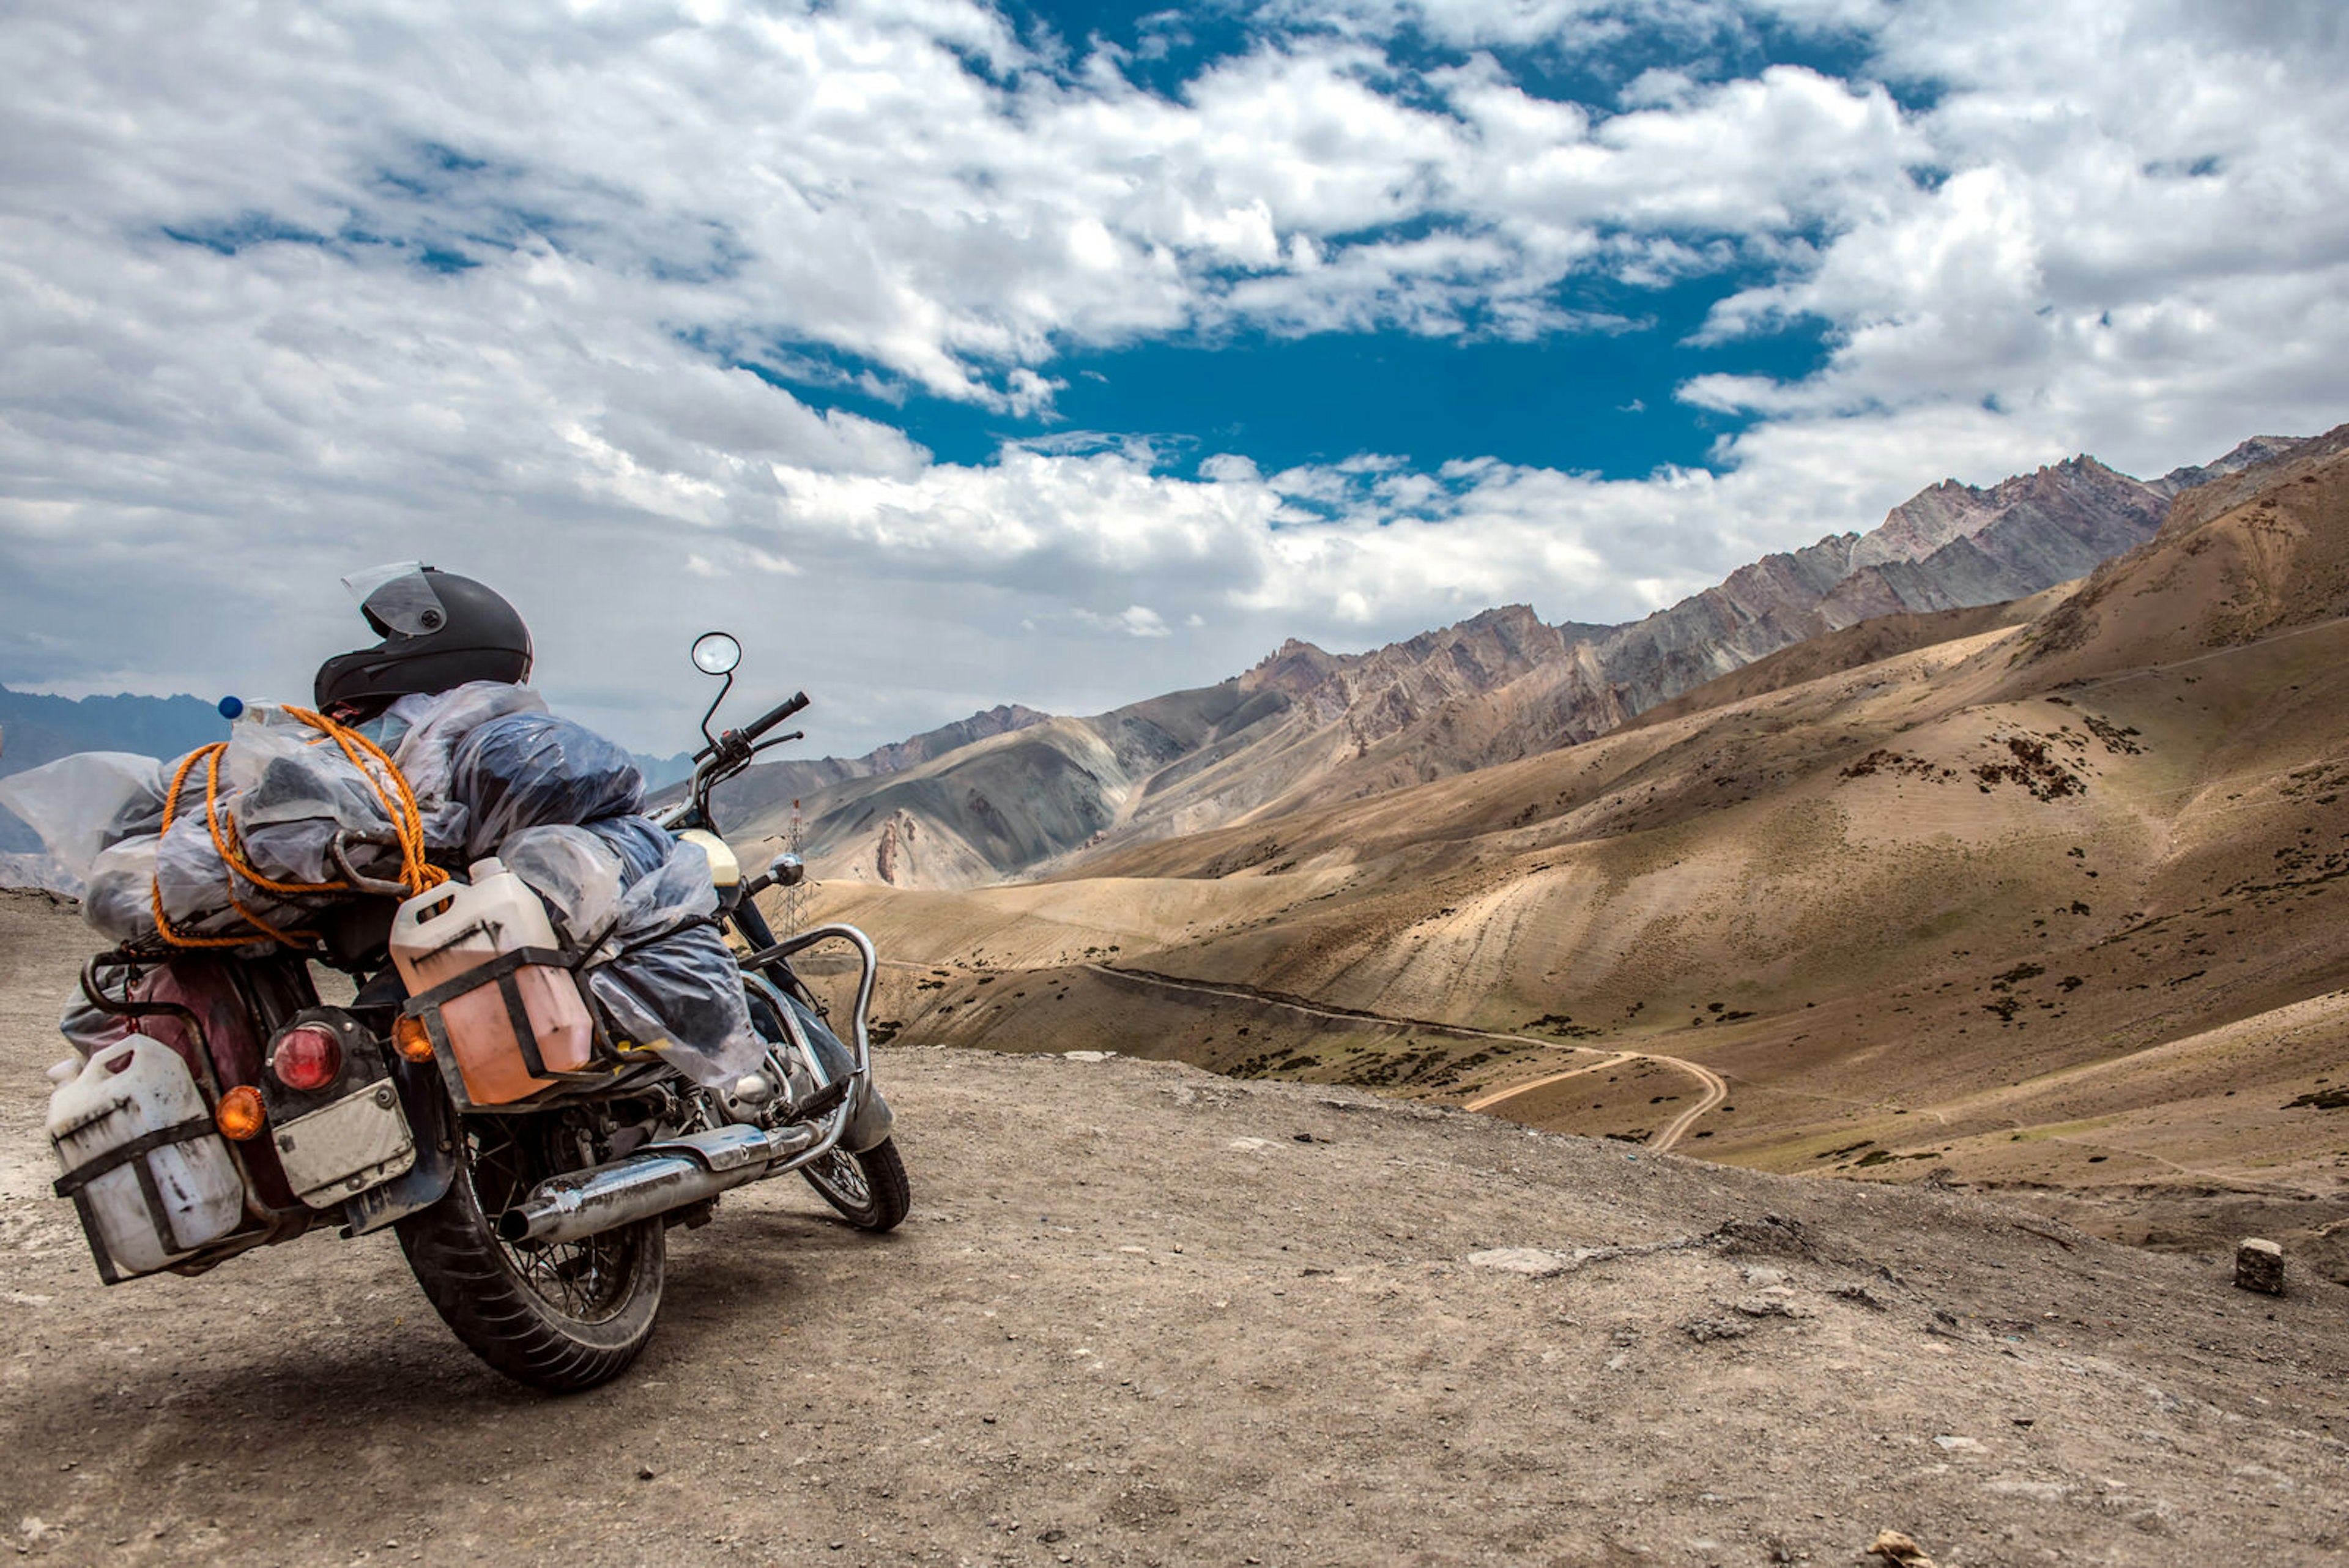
pixel 1145 1315
pixel 1662 1140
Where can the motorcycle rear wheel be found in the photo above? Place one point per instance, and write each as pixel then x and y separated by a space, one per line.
pixel 560 1318
pixel 870 1189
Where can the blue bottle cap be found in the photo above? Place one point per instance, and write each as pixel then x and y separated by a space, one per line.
pixel 230 706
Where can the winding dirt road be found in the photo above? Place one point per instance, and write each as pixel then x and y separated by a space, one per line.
pixel 1715 1089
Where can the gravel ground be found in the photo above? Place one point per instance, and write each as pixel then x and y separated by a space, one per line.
pixel 1143 1315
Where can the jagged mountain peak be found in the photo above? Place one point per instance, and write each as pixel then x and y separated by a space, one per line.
pixel 1940 515
pixel 1304 723
pixel 1294 666
pixel 2247 453
pixel 1495 637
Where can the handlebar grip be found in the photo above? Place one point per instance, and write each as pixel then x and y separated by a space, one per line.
pixel 782 710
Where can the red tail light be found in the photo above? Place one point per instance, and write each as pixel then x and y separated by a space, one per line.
pixel 307 1057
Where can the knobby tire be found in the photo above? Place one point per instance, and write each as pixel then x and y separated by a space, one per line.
pixel 869 1189
pixel 482 1290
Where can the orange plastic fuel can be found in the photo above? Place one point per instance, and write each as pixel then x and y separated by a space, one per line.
pixel 452 930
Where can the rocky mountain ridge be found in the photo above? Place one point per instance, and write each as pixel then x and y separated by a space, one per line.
pixel 1305 725
pixel 764 787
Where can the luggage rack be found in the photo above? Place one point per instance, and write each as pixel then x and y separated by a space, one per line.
pixel 263 1224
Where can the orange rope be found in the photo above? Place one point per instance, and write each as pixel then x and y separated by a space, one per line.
pixel 417 873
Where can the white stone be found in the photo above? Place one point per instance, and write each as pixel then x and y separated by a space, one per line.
pixel 1532 1262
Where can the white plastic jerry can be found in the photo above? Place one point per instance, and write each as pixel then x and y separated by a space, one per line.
pixel 125 1093
pixel 450 931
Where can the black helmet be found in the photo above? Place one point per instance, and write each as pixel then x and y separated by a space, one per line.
pixel 440 631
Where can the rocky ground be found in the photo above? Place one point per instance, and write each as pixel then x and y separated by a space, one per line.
pixel 1143 1315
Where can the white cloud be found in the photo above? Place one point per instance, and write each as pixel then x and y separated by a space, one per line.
pixel 765 180
pixel 2138 247
pixel 1134 620
pixel 2117 227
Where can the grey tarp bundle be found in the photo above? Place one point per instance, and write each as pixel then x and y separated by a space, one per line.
pixel 493 773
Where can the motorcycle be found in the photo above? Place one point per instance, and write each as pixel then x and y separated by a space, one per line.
pixel 537 1227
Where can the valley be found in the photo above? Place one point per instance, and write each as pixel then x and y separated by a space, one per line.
pixel 2048 906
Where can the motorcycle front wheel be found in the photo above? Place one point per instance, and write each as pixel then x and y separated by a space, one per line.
pixel 561 1316
pixel 870 1189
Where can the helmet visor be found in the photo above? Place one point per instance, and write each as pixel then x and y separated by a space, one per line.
pixel 398 600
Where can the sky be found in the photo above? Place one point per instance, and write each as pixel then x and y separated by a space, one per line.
pixel 953 354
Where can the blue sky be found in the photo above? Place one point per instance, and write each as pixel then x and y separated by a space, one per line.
pixel 955 354
pixel 1599 401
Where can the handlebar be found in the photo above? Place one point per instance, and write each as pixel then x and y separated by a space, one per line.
pixel 776 715
pixel 739 740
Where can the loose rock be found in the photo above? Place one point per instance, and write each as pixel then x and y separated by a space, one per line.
pixel 1897 1548
pixel 1535 1261
pixel 1704 1330
pixel 2258 1266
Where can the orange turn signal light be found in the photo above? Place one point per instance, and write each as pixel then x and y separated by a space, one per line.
pixel 411 1039
pixel 240 1116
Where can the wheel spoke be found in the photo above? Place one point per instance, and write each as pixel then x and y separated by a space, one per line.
pixel 841 1174
pixel 586 1280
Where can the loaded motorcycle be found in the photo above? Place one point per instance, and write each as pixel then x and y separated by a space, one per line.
pixel 471 1095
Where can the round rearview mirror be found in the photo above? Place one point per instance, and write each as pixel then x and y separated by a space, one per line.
pixel 716 653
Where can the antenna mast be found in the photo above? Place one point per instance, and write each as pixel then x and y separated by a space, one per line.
pixel 795 910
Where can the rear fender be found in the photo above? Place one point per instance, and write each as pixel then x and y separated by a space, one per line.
pixel 433 1123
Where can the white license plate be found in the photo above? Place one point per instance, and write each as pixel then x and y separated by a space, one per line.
pixel 358 1142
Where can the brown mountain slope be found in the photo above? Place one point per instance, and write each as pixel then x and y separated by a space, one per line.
pixel 1306 725
pixel 1013 802
pixel 1977 905
pixel 1869 643
pixel 2245 557
pixel 768 789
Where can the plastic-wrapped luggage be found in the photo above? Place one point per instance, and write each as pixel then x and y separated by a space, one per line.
pixel 292 795
pixel 83 804
pixel 654 958
pixel 283 796
pixel 528 769
pixel 493 774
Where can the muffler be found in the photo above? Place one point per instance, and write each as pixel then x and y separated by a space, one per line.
pixel 658 1178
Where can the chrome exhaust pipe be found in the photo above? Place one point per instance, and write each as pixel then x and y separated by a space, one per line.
pixel 659 1177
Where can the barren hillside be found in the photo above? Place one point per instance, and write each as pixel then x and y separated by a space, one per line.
pixel 2056 906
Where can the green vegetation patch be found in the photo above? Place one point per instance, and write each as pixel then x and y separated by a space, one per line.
pixel 1561 1025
